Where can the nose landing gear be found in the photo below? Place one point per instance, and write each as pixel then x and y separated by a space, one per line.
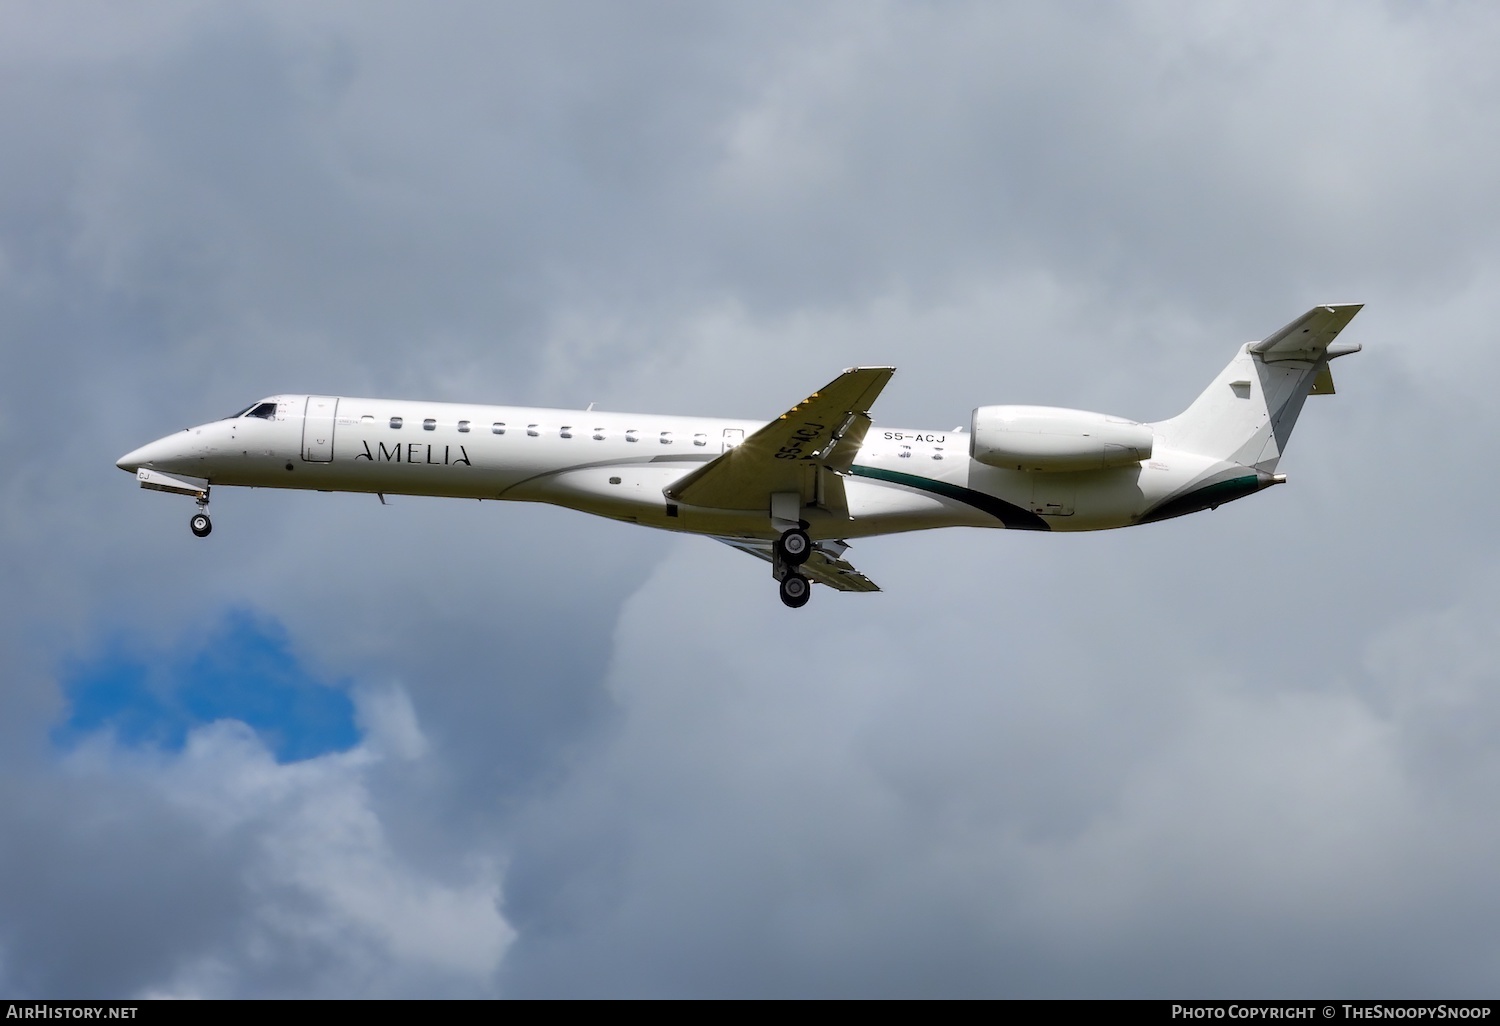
pixel 200 523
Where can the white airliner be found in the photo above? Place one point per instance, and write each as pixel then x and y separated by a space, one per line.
pixel 792 491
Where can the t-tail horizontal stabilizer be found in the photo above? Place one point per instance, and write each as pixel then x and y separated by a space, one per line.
pixel 1247 414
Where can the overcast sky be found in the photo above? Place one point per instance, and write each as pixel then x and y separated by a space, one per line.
pixel 446 748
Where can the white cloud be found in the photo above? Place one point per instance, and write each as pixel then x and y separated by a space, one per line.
pixel 331 905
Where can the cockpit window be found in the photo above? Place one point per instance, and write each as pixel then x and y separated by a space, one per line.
pixel 265 411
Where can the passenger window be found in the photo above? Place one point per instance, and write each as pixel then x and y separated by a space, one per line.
pixel 566 431
pixel 497 428
pixel 429 424
pixel 463 427
pixel 395 422
pixel 632 435
pixel 666 438
pixel 367 419
pixel 598 434
pixel 531 430
pixel 700 439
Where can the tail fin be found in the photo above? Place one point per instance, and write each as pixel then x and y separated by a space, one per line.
pixel 1248 412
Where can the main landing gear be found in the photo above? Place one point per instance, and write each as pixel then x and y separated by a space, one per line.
pixel 794 547
pixel 200 523
pixel 795 590
pixel 791 550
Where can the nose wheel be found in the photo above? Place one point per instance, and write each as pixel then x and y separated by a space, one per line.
pixel 200 523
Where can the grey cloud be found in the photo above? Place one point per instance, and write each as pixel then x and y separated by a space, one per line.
pixel 108 886
pixel 977 803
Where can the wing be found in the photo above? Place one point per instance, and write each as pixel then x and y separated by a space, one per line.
pixel 804 450
pixel 826 565
pixel 1308 336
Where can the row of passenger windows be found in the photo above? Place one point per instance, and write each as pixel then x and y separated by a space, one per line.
pixel 566 431
pixel 632 435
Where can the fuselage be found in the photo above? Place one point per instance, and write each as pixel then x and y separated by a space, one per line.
pixel 791 491
pixel 620 465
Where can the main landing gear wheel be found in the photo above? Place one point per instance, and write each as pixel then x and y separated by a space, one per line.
pixel 794 547
pixel 201 525
pixel 795 590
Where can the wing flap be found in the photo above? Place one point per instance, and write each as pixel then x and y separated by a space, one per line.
pixel 820 434
pixel 822 566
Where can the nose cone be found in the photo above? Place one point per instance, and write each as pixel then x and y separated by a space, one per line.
pixel 133 460
pixel 163 454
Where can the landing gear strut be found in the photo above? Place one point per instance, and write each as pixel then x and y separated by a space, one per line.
pixel 200 523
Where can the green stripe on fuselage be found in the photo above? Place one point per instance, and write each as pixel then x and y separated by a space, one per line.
pixel 1012 516
pixel 1206 497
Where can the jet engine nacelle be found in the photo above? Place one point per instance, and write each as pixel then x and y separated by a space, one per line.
pixel 1049 438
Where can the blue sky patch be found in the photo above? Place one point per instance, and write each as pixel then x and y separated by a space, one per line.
pixel 243 670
